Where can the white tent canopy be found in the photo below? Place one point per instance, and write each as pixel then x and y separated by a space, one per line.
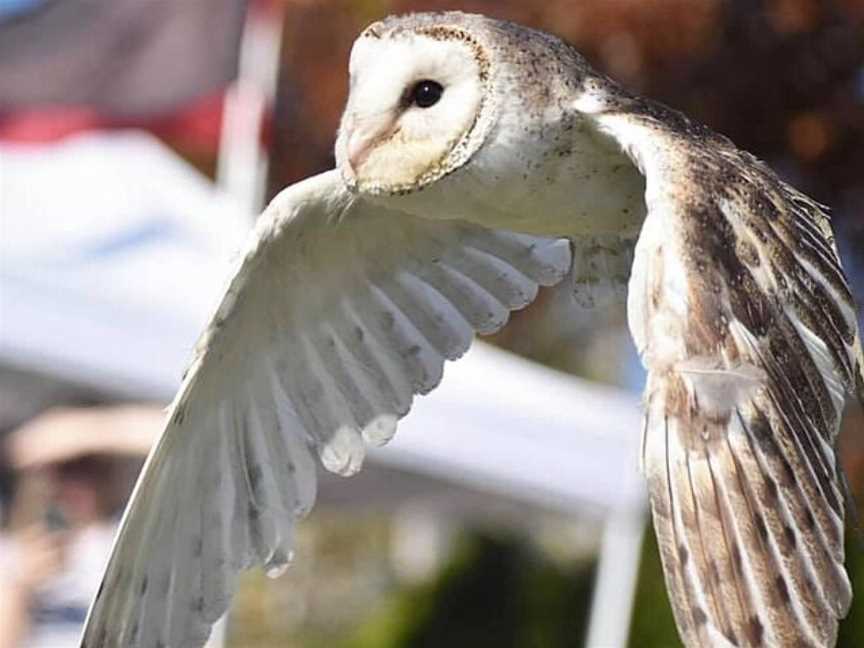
pixel 114 251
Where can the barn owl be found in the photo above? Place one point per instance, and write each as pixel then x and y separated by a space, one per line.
pixel 476 161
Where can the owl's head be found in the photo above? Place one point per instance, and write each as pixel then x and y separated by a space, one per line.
pixel 419 103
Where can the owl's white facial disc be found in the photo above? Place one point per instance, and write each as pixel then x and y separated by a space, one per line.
pixel 414 101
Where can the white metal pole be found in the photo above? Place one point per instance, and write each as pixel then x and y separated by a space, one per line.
pixel 241 168
pixel 616 580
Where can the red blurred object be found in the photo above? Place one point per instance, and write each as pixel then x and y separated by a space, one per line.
pixel 47 124
pixel 195 126
pixel 110 64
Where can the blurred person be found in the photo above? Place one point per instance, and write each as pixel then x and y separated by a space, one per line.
pixel 75 470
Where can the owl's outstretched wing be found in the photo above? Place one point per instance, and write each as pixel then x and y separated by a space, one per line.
pixel 744 319
pixel 338 315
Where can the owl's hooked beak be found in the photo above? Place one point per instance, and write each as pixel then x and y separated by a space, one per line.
pixel 364 134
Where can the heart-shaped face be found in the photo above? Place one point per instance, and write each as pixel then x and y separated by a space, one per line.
pixel 415 100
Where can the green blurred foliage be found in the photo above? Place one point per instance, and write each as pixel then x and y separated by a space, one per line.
pixel 852 629
pixel 653 624
pixel 496 592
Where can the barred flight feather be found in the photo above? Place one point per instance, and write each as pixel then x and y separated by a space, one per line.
pixel 746 324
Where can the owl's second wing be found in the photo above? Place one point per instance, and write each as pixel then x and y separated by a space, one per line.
pixel 338 315
pixel 745 322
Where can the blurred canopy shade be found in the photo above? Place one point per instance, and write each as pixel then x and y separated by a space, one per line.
pixel 123 59
pixel 66 433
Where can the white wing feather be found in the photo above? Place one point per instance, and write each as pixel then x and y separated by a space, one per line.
pixel 338 315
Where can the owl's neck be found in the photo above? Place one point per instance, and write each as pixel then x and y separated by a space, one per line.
pixel 573 182
pixel 570 179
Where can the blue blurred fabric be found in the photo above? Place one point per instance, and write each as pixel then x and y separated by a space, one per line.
pixel 14 7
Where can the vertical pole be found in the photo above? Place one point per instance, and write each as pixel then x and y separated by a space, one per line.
pixel 241 169
pixel 617 575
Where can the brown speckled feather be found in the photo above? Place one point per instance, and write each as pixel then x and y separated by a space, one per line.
pixel 745 322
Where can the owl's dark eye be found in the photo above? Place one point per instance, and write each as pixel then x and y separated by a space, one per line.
pixel 425 93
